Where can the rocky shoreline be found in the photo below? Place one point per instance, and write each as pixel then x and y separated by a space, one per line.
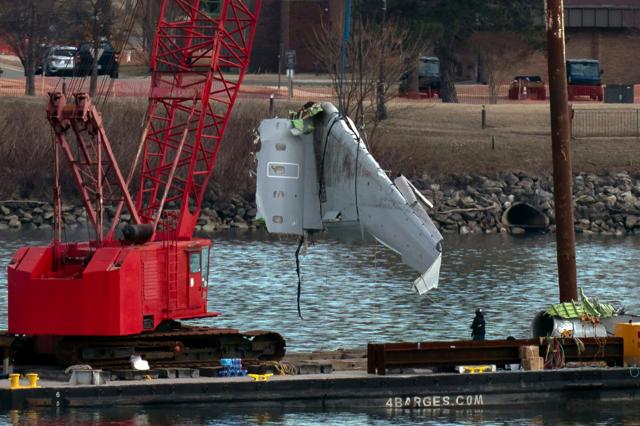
pixel 607 204
pixel 219 215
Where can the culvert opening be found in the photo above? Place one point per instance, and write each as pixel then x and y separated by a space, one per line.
pixel 542 325
pixel 525 216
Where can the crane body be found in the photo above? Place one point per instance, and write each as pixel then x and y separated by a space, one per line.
pixel 72 294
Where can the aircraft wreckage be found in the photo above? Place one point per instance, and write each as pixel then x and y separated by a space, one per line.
pixel 315 173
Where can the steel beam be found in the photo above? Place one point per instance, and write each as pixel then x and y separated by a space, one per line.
pixel 381 357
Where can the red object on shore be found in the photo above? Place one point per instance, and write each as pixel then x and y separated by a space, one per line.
pixel 592 92
pixel 533 93
pixel 157 271
pixel 429 93
pixel 527 88
pixel 5 49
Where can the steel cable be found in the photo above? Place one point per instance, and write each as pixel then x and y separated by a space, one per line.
pixel 299 276
pixel 109 90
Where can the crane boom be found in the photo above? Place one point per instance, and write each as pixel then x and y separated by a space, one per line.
pixel 94 168
pixel 198 63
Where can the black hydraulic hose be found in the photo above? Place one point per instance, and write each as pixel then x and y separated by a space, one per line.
pixel 324 153
pixel 358 140
pixel 355 182
pixel 299 276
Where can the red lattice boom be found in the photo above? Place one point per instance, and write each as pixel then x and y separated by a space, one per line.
pixel 198 64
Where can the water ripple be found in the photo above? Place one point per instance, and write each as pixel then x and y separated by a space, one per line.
pixel 353 294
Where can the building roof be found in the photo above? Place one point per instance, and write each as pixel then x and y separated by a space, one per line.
pixel 602 3
pixel 602 14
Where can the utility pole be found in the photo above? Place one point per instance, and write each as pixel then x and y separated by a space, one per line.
pixel 280 54
pixel 381 111
pixel 561 150
pixel 343 56
pixel 285 35
pixel 95 33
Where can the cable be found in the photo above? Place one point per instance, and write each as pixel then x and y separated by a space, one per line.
pixel 105 86
pixel 321 192
pixel 86 225
pixel 554 356
pixel 579 345
pixel 119 52
pixel 101 90
pixel 298 272
pixel 358 140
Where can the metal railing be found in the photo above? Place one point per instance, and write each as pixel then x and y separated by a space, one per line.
pixel 320 88
pixel 605 122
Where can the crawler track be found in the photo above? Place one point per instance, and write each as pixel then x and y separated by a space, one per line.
pixel 182 346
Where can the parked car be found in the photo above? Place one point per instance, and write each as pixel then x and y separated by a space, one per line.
pixel 59 61
pixel 527 87
pixel 107 60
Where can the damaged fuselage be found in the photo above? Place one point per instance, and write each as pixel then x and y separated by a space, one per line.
pixel 315 173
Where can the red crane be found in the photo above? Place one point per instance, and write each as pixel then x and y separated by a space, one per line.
pixel 156 272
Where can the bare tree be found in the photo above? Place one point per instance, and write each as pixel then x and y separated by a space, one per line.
pixel 93 19
pixel 445 50
pixel 28 26
pixel 369 46
pixel 381 107
pixel 500 54
pixel 150 11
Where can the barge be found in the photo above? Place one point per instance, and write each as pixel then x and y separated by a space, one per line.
pixel 353 389
pixel 394 376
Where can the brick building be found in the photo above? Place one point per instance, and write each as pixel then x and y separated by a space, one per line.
pixel 607 30
pixel 286 25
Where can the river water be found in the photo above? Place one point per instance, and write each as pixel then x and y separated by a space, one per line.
pixel 354 294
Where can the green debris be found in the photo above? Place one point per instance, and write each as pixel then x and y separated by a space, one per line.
pixel 302 120
pixel 585 307
pixel 566 310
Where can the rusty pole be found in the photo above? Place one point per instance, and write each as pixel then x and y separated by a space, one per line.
pixel 561 149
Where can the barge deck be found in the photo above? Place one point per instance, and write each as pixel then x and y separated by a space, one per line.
pixel 352 389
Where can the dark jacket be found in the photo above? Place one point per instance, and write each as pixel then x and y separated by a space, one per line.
pixel 477 327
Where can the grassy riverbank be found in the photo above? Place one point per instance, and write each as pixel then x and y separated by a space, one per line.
pixel 418 139
pixel 448 139
pixel 26 164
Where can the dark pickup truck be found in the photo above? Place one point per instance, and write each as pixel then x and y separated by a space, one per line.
pixel 107 60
